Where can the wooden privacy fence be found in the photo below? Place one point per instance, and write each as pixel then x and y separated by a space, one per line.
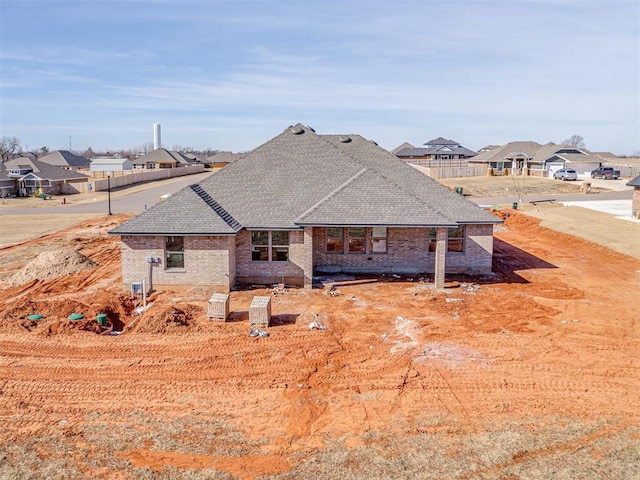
pixel 143 176
pixel 452 171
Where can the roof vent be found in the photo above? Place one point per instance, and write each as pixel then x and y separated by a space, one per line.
pixel 375 143
pixel 297 130
pixel 311 128
pixel 345 139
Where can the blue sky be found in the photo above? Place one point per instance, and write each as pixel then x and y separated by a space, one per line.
pixel 230 75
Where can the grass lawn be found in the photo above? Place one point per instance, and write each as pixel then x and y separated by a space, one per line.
pixel 497 186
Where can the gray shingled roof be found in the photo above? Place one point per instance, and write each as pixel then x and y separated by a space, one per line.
pixel 579 158
pixel 304 178
pixel 635 182
pixel 442 149
pixel 162 155
pixel 183 213
pixel 535 152
pixel 64 158
pixel 441 141
pixel 499 154
pixel 402 147
pixel 225 157
pixel 42 170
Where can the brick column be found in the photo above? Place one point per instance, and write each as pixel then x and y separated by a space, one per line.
pixel 441 252
pixel 635 203
pixel 307 261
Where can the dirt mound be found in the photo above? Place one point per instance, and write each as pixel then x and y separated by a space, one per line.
pixel 66 326
pixel 169 318
pixel 52 264
pixel 118 308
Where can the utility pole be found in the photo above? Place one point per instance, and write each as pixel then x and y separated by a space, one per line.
pixel 109 189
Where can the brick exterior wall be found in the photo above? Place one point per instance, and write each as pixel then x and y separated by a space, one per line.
pixel 478 251
pixel 440 257
pixel 635 203
pixel 407 252
pixel 292 272
pixel 208 261
pixel 218 262
pixel 308 257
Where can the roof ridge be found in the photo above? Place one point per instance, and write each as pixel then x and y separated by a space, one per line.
pixel 383 174
pixel 222 213
pixel 410 192
pixel 332 193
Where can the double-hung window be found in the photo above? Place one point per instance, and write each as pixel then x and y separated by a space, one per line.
pixel 269 246
pixel 356 240
pixel 455 239
pixel 174 252
pixel 357 237
pixel 378 240
pixel 335 240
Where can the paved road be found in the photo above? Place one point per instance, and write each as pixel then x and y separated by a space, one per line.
pixel 130 200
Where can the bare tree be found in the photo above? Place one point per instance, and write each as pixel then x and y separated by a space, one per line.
pixel 9 146
pixel 575 141
pixel 141 149
pixel 89 153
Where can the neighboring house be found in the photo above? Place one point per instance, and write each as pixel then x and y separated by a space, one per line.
pixel 161 158
pixel 222 159
pixel 402 147
pixel 438 149
pixel 29 155
pixel 605 156
pixel 304 203
pixel 25 177
pixel 635 202
pixel 532 158
pixel 109 164
pixel 488 148
pixel 67 160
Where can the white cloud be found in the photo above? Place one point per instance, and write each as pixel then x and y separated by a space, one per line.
pixel 483 70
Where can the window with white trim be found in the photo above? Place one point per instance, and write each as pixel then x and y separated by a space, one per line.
pixel 174 252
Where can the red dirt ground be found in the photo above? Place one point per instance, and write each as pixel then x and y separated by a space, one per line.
pixel 551 336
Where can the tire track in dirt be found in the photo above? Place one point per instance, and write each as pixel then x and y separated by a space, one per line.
pixel 558 449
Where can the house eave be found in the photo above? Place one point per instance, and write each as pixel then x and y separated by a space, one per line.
pixel 388 225
pixel 164 234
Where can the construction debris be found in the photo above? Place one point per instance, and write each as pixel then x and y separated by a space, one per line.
pixel 331 290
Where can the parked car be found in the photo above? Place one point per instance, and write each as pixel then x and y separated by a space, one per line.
pixel 606 173
pixel 565 174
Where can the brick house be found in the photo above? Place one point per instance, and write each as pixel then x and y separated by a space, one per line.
pixel 24 176
pixel 439 150
pixel 304 203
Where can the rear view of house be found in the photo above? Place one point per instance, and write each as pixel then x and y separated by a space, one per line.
pixel 304 203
